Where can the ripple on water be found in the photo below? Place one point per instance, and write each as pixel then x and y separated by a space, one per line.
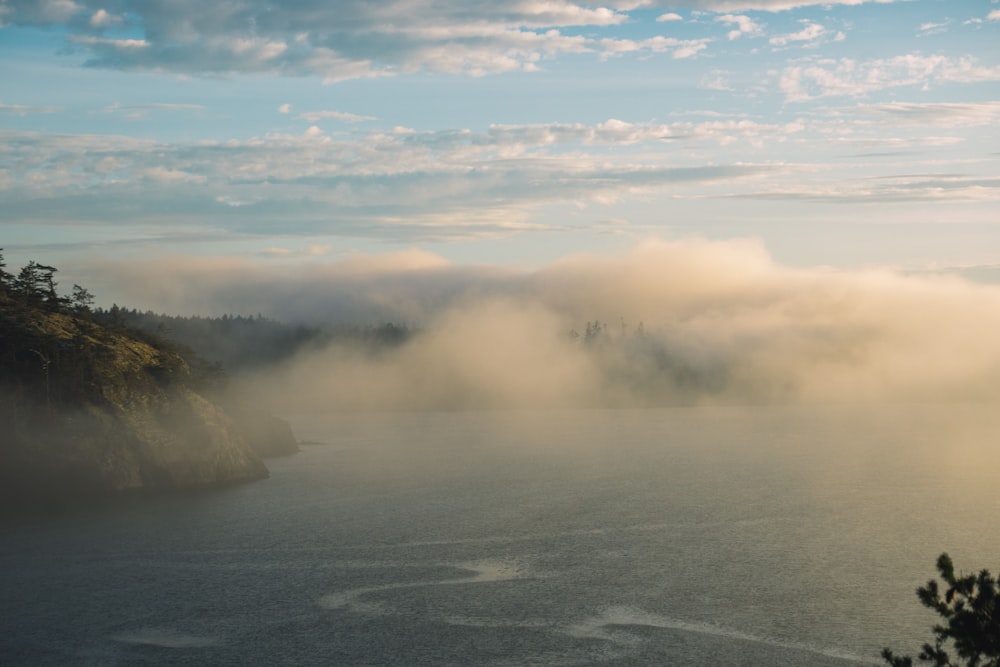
pixel 165 638
pixel 609 625
pixel 484 571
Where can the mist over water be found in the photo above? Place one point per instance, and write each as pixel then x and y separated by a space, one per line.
pixel 686 322
pixel 697 536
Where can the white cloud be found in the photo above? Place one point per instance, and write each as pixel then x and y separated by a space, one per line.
pixel 690 50
pixel 849 77
pixel 164 106
pixel 165 175
pixel 351 39
pixel 723 6
pixel 931 28
pixel 411 186
pixel 102 19
pixel 935 114
pixel 994 15
pixel 357 39
pixel 108 45
pixel 141 111
pixel 386 183
pixel 910 188
pixel 898 142
pixel 285 108
pixel 812 32
pixel 25 110
pixel 679 48
pixel 313 116
pixel 716 80
pixel 617 132
pixel 311 250
pixel 745 26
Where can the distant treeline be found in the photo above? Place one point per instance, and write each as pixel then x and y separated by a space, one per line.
pixel 240 342
pixel 230 342
pixel 648 363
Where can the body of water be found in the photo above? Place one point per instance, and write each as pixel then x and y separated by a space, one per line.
pixel 688 536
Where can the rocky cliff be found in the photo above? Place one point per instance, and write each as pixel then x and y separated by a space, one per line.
pixel 90 411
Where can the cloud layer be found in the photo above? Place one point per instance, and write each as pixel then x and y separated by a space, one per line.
pixel 414 186
pixel 680 322
pixel 346 40
pixel 354 39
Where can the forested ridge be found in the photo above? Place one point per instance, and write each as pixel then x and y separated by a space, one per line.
pixel 92 410
pixel 248 342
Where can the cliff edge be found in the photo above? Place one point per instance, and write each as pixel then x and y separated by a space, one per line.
pixel 96 411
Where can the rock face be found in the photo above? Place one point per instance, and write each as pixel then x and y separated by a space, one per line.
pixel 266 434
pixel 89 411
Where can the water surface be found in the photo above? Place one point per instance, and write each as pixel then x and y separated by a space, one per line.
pixel 695 536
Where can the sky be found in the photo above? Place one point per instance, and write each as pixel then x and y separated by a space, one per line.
pixel 272 135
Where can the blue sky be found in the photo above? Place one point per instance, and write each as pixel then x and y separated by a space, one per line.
pixel 844 134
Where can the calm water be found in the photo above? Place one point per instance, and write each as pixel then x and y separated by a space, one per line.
pixel 763 536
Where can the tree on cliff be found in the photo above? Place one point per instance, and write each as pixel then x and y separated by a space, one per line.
pixel 36 284
pixel 971 620
pixel 81 301
pixel 6 279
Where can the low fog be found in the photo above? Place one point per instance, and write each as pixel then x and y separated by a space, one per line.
pixel 668 323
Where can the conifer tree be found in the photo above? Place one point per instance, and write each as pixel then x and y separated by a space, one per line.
pixel 6 279
pixel 971 618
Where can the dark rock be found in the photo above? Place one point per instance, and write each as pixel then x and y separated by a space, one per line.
pixel 89 411
pixel 266 434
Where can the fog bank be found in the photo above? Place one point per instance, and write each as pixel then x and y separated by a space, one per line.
pixel 680 322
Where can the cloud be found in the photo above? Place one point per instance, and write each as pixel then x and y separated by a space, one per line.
pixel 124 47
pixel 723 6
pixel 679 48
pixel 720 322
pixel 311 250
pixel 40 12
pixel 691 49
pixel 406 186
pixel 402 185
pixel 849 77
pixel 899 142
pixel 994 15
pixel 353 39
pixel 313 116
pixel 26 110
pixel 102 19
pixel 935 114
pixel 141 111
pixel 358 39
pixel 716 79
pixel 285 108
pixel 931 28
pixel 905 188
pixel 163 175
pixel 811 33
pixel 745 26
